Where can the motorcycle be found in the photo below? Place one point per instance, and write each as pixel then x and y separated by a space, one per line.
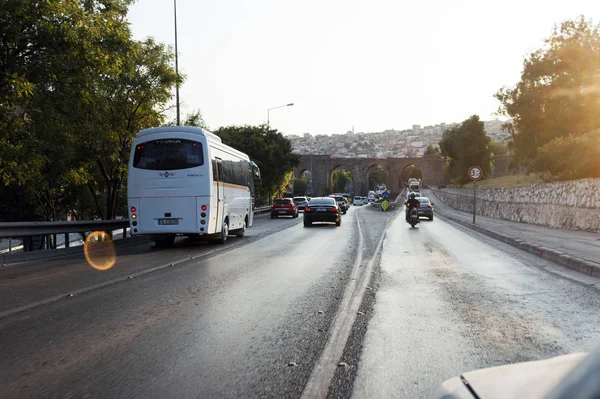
pixel 413 218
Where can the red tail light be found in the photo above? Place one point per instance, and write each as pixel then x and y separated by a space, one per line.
pixel 203 207
pixel 334 209
pixel 132 209
pixel 307 209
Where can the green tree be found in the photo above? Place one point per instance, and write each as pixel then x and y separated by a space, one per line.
pixel 300 187
pixel 271 151
pixel 572 157
pixel 499 148
pixel 341 178
pixel 55 56
pixel 432 149
pixel 465 146
pixel 128 102
pixel 194 118
pixel 558 94
pixel 66 128
pixel 377 176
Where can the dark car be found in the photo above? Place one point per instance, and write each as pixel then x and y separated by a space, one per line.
pixel 284 207
pixel 341 201
pixel 325 209
pixel 425 207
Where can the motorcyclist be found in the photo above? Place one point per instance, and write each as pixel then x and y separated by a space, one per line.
pixel 412 202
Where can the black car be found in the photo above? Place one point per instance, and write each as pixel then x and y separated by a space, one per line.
pixel 324 209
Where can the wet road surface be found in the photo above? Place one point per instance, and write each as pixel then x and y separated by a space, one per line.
pixel 451 301
pixel 254 319
pixel 226 325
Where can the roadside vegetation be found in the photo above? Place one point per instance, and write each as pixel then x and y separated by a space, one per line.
pixel 66 128
pixel 554 112
pixel 509 181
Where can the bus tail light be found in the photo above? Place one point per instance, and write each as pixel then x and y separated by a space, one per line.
pixel 203 207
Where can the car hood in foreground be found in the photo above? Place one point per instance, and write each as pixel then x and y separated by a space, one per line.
pixel 534 379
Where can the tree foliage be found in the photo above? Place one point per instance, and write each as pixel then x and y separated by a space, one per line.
pixel 377 176
pixel 271 151
pixel 558 94
pixel 300 187
pixel 74 90
pixel 499 148
pixel 571 157
pixel 341 178
pixel 432 149
pixel 194 118
pixel 465 146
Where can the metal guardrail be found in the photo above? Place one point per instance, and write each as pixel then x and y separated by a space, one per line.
pixel 262 209
pixel 26 229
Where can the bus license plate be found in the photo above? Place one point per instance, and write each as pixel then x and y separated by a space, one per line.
pixel 168 221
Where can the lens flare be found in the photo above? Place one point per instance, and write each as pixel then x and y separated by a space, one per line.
pixel 99 250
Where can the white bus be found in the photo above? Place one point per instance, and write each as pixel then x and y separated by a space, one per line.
pixel 184 181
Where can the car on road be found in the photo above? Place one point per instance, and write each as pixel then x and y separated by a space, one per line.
pixel 425 207
pixel 371 196
pixel 284 207
pixel 343 204
pixel 323 209
pixel 416 193
pixel 358 200
pixel 301 202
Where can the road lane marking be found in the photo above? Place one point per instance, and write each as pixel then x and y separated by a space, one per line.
pixel 324 370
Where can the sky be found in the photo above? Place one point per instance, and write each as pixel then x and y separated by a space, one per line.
pixel 368 65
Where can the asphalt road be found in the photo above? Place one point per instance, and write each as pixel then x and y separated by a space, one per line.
pixel 449 301
pixel 274 313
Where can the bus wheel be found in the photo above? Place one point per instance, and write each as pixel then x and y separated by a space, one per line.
pixel 242 231
pixel 165 242
pixel 224 233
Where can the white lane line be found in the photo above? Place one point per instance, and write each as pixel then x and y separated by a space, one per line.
pixel 321 376
pixel 190 258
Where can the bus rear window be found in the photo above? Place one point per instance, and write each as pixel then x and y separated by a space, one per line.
pixel 168 154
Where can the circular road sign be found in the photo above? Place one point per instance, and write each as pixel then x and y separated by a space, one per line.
pixel 475 173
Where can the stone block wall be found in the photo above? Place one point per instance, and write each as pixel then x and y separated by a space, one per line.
pixel 571 204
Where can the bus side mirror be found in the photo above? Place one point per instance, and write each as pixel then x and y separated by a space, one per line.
pixel 255 170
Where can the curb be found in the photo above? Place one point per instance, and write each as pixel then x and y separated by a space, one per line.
pixel 584 266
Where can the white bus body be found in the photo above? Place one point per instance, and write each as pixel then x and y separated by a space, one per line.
pixel 184 181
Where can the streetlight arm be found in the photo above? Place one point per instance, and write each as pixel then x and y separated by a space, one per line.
pixel 281 106
pixel 270 109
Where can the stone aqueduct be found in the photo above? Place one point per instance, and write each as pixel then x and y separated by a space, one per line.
pixel 431 167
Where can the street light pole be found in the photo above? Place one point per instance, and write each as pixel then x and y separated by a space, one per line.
pixel 269 111
pixel 176 64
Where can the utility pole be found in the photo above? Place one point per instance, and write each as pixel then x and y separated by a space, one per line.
pixel 176 65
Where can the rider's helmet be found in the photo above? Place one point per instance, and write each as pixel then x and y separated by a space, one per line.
pixel 412 196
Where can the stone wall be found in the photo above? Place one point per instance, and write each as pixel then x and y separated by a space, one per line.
pixel 571 204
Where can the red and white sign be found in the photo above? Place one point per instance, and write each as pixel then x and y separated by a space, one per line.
pixel 475 173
